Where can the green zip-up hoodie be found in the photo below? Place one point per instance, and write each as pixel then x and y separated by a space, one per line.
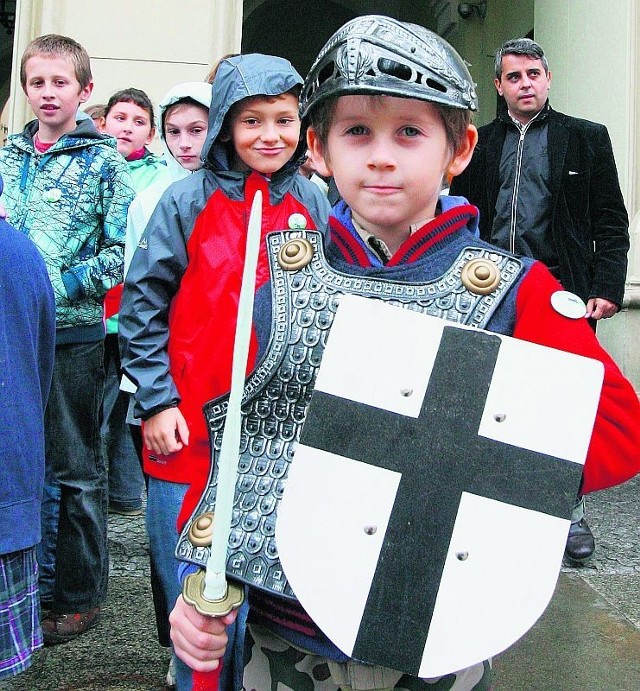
pixel 72 202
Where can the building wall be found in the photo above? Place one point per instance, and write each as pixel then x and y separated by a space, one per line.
pixel 593 51
pixel 148 45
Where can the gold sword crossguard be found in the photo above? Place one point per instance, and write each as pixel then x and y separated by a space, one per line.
pixel 208 590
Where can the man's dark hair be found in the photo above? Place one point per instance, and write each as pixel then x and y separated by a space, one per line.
pixel 520 46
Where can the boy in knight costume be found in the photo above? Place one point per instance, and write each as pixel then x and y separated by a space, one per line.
pixel 388 106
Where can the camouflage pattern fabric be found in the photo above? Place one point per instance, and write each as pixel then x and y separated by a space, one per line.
pixel 273 664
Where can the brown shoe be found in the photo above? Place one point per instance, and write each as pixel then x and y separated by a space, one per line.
pixel 60 628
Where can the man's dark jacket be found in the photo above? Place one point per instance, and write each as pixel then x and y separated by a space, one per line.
pixel 589 222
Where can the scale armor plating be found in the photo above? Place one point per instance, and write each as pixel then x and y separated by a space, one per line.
pixel 278 392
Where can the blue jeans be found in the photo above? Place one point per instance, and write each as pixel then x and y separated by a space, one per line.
pixel 164 500
pixel 75 461
pixel 46 548
pixel 125 474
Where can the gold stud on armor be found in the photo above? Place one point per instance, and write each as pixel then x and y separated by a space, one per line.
pixel 201 530
pixel 295 254
pixel 480 276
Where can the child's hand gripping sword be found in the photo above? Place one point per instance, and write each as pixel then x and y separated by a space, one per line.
pixel 208 591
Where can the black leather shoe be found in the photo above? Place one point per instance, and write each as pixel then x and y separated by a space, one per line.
pixel 580 543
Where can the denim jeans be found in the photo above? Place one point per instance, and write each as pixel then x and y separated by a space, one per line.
pixel 74 457
pixel 46 548
pixel 164 500
pixel 578 510
pixel 125 474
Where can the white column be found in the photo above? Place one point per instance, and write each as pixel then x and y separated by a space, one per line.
pixel 592 47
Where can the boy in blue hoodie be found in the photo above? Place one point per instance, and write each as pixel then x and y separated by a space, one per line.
pixel 68 189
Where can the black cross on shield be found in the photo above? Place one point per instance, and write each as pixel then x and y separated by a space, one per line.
pixel 439 456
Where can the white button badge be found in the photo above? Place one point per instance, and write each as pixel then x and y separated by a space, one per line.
pixel 297 221
pixel 568 304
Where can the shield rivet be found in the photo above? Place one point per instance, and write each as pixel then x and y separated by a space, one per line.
pixel 201 530
pixel 371 529
pixel 295 254
pixel 462 556
pixel 480 276
pixel 499 417
pixel 406 392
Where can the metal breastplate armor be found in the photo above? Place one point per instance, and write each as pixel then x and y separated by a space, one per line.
pixel 306 291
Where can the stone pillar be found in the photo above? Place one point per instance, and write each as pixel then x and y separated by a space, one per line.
pixel 593 52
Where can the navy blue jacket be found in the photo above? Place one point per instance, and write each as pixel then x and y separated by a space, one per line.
pixel 27 346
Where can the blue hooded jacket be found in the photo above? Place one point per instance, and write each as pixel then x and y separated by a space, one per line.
pixel 27 346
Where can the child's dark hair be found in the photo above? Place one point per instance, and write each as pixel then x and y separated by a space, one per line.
pixel 455 121
pixel 132 95
pixel 54 45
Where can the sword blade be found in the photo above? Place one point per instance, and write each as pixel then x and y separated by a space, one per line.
pixel 215 580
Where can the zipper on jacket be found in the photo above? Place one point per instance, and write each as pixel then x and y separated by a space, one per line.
pixel 516 187
pixel 24 173
pixel 523 129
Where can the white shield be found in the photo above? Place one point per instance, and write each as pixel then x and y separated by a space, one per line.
pixel 338 531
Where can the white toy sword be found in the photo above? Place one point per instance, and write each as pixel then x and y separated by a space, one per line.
pixel 208 591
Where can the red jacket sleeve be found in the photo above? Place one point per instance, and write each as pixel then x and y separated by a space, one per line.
pixel 614 450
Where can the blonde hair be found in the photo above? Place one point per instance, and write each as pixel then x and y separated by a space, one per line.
pixel 96 111
pixel 211 75
pixel 52 45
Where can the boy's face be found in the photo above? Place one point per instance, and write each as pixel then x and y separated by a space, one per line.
pixel 130 125
pixel 388 157
pixel 54 94
pixel 185 129
pixel 265 133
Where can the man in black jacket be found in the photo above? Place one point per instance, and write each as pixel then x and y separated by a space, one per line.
pixel 547 187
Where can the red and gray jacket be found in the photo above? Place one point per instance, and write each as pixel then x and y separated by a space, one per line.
pixel 179 307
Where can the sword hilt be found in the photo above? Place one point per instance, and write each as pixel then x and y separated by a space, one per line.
pixel 193 594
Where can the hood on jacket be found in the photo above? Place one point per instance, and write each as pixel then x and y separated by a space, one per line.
pixel 238 77
pixel 200 92
pixel 85 130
